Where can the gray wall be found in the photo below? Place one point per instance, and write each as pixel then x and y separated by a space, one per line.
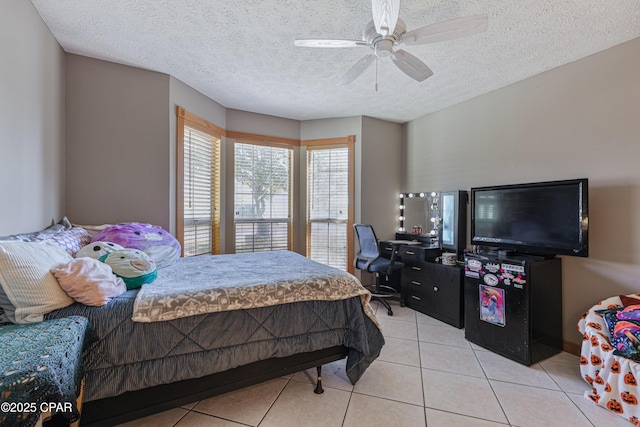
pixel 118 114
pixel 381 175
pixel 262 124
pixel 579 120
pixel 32 117
pixel 118 143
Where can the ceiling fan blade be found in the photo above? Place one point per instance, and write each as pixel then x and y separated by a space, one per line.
pixel 356 70
pixel 329 43
pixel 385 15
pixel 447 30
pixel 411 66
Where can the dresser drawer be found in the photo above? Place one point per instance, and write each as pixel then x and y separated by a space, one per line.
pixel 435 290
pixel 413 284
pixel 410 255
pixel 417 254
pixel 386 249
pixel 415 271
pixel 418 302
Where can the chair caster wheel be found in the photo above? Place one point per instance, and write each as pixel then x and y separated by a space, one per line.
pixel 389 312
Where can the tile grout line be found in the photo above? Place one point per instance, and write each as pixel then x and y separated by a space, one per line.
pixel 275 400
pixel 424 399
pixel 344 417
pixel 491 386
pixel 565 393
pixel 183 416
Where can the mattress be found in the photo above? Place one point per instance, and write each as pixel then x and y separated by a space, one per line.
pixel 128 355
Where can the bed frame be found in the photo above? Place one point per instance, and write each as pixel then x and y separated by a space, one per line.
pixel 137 404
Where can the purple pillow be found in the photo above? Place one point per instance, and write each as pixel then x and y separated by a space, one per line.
pixel 153 240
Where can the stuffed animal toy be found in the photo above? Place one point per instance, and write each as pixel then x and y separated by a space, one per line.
pixel 97 249
pixel 160 245
pixel 133 266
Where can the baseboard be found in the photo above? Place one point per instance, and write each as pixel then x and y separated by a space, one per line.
pixel 571 347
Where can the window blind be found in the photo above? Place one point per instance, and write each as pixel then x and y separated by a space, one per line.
pixel 262 197
pixel 328 180
pixel 198 195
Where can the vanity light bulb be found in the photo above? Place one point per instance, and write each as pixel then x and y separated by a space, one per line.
pixel 410 194
pixel 401 206
pixel 433 219
pixel 401 229
pixel 421 194
pixel 433 232
pixel 434 194
pixel 401 218
pixel 401 196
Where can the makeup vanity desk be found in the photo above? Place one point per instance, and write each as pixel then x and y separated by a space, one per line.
pixel 426 285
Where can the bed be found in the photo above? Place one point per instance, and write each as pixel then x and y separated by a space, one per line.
pixel 212 324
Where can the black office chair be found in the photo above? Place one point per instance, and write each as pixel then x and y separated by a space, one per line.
pixel 369 259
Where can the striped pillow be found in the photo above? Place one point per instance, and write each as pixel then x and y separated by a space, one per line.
pixel 28 287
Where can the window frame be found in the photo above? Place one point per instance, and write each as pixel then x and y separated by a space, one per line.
pixel 272 142
pixel 187 119
pixel 330 143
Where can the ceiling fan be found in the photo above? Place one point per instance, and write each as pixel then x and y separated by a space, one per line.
pixel 387 31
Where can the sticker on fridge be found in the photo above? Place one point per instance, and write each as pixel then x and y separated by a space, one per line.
pixel 492 305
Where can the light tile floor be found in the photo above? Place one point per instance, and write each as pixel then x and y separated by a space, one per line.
pixel 427 375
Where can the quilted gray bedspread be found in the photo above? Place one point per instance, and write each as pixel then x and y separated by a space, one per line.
pixel 134 355
pixel 207 284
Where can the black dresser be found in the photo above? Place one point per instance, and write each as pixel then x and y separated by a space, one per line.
pixel 431 288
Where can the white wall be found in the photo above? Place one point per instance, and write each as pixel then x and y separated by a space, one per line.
pixel 32 116
pixel 579 120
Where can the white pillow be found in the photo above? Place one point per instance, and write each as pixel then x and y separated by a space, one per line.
pixel 89 281
pixel 29 288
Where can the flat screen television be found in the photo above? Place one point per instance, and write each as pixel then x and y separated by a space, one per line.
pixel 545 218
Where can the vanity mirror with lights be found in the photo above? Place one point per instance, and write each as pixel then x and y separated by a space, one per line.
pixel 438 220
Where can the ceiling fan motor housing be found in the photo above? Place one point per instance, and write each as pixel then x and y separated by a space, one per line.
pixel 383 46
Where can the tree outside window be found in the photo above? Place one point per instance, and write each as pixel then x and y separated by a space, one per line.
pixel 262 197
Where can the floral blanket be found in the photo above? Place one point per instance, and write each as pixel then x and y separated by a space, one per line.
pixel 214 283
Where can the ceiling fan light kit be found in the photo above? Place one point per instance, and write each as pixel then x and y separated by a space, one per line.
pixel 379 37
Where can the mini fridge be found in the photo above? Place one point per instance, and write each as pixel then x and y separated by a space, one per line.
pixel 513 306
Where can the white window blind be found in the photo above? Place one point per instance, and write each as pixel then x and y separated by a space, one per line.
pixel 328 205
pixel 262 203
pixel 201 158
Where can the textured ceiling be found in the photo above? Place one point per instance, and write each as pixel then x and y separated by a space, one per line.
pixel 241 53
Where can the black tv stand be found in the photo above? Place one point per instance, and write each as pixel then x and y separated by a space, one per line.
pixel 506 253
pixel 524 321
pixel 514 254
